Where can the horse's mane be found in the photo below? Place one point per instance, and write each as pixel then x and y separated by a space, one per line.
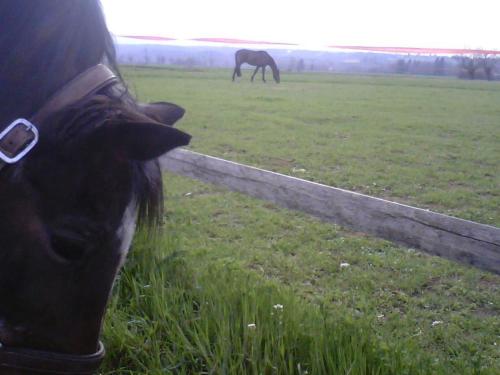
pixel 47 44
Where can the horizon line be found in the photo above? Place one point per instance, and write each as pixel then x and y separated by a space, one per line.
pixel 389 49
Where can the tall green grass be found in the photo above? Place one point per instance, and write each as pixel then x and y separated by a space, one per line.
pixel 167 317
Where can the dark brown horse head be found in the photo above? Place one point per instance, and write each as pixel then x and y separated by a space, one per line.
pixel 68 209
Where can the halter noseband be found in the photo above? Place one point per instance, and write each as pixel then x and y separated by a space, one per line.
pixel 16 140
pixel 39 361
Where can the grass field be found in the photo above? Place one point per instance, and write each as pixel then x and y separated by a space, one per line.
pixel 432 143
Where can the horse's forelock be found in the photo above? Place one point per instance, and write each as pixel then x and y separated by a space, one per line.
pixel 70 129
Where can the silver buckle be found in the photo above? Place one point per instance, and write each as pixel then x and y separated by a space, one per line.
pixel 29 127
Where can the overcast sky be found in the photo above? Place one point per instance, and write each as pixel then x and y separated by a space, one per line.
pixel 416 23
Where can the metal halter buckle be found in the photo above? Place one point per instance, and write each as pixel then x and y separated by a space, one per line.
pixel 20 149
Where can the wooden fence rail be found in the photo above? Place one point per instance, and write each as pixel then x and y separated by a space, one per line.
pixel 449 237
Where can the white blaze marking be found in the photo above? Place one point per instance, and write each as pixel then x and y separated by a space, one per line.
pixel 127 229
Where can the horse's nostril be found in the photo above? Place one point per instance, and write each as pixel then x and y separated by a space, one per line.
pixel 69 249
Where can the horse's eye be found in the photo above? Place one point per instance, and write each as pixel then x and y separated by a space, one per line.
pixel 68 248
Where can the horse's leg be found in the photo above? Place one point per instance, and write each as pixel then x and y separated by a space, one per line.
pixel 264 73
pixel 255 72
pixel 234 72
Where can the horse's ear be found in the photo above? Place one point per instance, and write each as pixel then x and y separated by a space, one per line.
pixel 138 141
pixel 163 112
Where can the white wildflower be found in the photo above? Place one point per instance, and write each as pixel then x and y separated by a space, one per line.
pixel 380 316
pixel 436 322
pixel 278 307
pixel 188 194
pixel 418 333
pixel 344 265
pixel 252 326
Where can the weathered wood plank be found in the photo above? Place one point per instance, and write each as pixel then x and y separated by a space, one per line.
pixel 456 239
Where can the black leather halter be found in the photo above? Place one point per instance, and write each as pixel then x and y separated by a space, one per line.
pixel 14 141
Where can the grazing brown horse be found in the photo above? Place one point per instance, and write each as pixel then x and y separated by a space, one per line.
pixel 259 59
pixel 77 168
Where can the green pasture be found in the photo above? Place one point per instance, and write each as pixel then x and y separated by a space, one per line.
pixel 433 143
pixel 187 301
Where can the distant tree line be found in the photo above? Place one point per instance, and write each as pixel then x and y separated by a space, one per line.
pixel 463 66
pixel 477 66
pixel 439 67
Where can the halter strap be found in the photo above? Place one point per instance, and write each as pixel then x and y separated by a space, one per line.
pixel 17 139
pixel 84 84
pixel 38 361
